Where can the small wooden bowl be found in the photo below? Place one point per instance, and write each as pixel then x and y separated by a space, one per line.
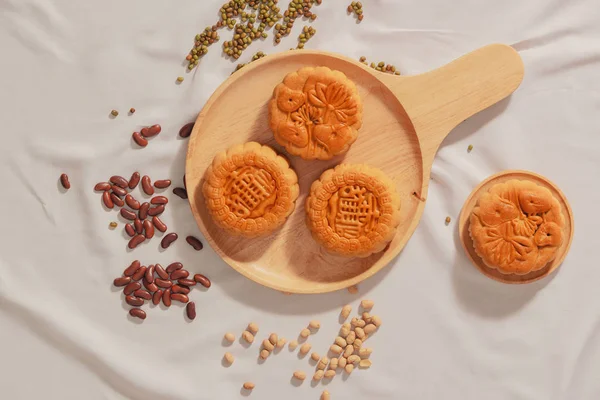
pixel 405 119
pixel 467 242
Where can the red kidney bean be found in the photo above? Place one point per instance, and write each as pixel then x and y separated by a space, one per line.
pixel 160 271
pixel 186 130
pixel 163 283
pixel 150 286
pixel 194 242
pixel 134 266
pixel 179 274
pixel 132 287
pixel 117 200
pixel 156 210
pixel 168 239
pixel 137 313
pixel 130 215
pixel 134 301
pixel 159 200
pixel 144 131
pixel 157 296
pixel 102 186
pixel 137 224
pixel 107 200
pixel 143 213
pixel 190 310
pixel 141 293
pixel 139 274
pixel 132 202
pixel 139 139
pixel 181 192
pixel 203 280
pixel 149 228
pixel 158 224
pixel 166 298
pixel 162 184
pixel 180 297
pixel 147 185
pixel 174 267
pixel 187 282
pixel 119 191
pixel 154 130
pixel 134 180
pixel 136 241
pixel 180 289
pixel 64 181
pixel 150 274
pixel 122 281
pixel 119 181
pixel 130 230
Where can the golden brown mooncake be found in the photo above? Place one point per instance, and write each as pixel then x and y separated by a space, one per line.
pixel 249 190
pixel 353 210
pixel 517 227
pixel 315 113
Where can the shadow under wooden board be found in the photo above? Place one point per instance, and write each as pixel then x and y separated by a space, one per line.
pixel 467 242
pixel 405 119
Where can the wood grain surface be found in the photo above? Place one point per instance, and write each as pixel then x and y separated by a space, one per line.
pixel 405 120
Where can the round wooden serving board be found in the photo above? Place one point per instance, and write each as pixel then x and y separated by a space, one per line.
pixel 405 118
pixel 467 242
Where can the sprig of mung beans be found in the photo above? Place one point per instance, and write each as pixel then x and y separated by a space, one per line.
pixel 356 8
pixel 296 9
pixel 381 66
pixel 307 33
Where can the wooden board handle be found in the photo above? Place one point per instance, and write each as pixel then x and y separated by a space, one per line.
pixel 439 100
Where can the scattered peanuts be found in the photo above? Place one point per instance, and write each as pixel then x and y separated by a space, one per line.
pixel 345 331
pixel 329 373
pixel 376 321
pixel 230 337
pixel 333 364
pixel 248 337
pixel 348 351
pixel 349 368
pixel 323 363
pixel 346 310
pixel 353 359
pixel 351 337
pixel 249 385
pixel 281 342
pixel 315 356
pixel 342 361
pixel 340 341
pixel 357 344
pixel 264 354
pixel 253 328
pixel 305 348
pixel 300 375
pixel 365 352
pixel 314 324
pixel 268 345
pixel 229 358
pixel 293 344
pixel 357 322
pixel 360 333
pixel 370 329
pixel 366 317
pixel 304 333
pixel 318 375
pixel 364 364
pixel 273 338
pixel 325 395
pixel 367 304
pixel 335 349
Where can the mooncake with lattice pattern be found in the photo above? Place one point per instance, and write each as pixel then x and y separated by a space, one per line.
pixel 517 227
pixel 353 210
pixel 249 190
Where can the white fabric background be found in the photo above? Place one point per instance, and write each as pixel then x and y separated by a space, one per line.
pixel 448 333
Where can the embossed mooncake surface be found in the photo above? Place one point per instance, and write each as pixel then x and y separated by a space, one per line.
pixel 315 113
pixel 517 227
pixel 353 210
pixel 250 190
